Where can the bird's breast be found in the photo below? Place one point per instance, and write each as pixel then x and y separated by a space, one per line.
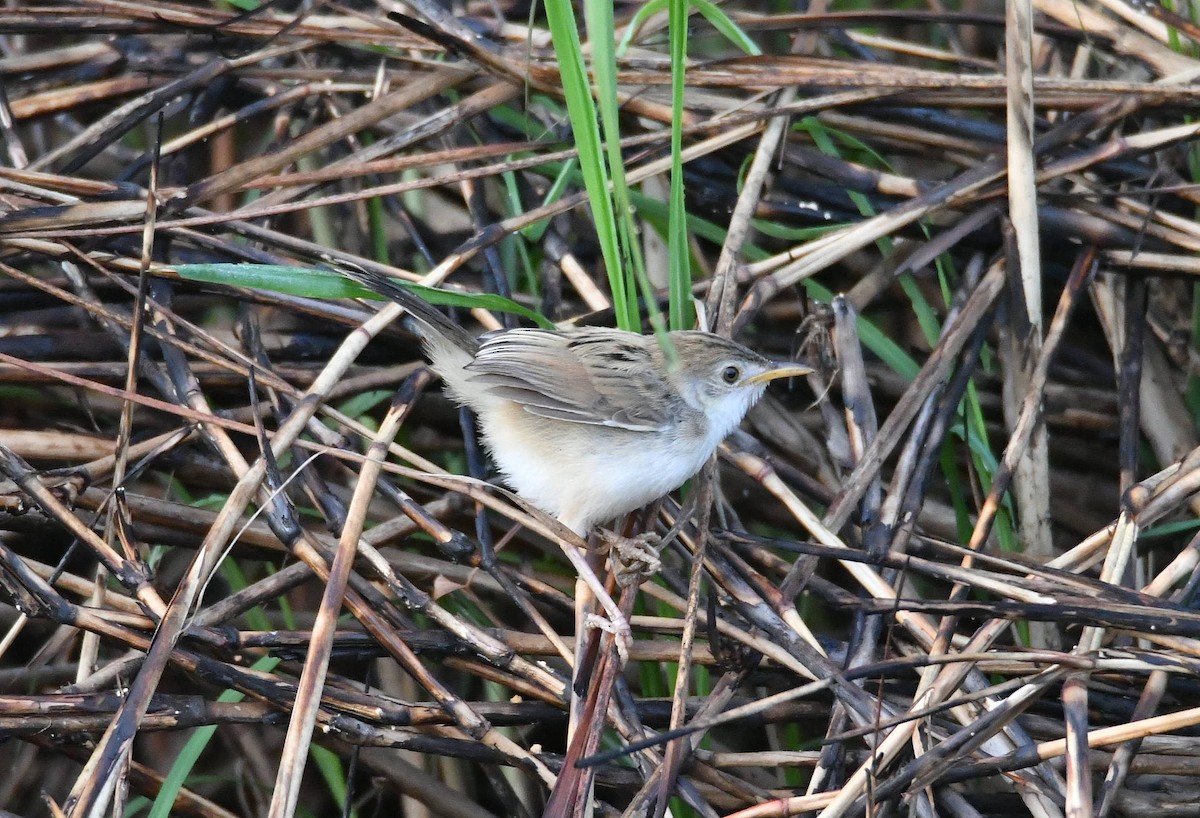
pixel 586 474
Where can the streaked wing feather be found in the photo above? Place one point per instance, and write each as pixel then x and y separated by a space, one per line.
pixel 577 417
pixel 538 404
pixel 573 378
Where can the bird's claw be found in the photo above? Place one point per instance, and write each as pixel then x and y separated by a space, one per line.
pixel 634 558
pixel 620 631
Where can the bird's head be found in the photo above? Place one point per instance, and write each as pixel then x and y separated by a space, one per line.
pixel 723 378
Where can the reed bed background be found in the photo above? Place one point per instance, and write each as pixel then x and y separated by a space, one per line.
pixel 953 574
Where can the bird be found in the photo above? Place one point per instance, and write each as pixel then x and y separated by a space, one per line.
pixel 591 423
pixel 588 424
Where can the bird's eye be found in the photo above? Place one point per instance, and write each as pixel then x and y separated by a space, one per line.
pixel 731 374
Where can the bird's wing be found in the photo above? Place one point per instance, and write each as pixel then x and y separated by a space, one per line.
pixel 584 377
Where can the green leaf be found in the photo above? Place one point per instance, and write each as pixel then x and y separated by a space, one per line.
pixel 680 273
pixel 632 269
pixel 715 15
pixel 585 126
pixel 535 231
pixel 719 20
pixel 313 283
pixel 639 19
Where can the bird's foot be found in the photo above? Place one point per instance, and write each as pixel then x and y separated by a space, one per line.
pixel 615 622
pixel 602 624
pixel 634 559
pixel 618 629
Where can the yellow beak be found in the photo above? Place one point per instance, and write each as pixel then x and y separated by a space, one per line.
pixel 780 370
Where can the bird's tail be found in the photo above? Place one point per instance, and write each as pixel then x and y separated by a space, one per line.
pixel 431 319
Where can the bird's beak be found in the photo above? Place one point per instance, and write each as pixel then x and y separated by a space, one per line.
pixel 780 370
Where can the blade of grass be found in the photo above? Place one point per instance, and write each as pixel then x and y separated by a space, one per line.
pixel 715 15
pixel 719 20
pixel 599 16
pixel 313 283
pixel 680 274
pixel 581 109
pixel 535 231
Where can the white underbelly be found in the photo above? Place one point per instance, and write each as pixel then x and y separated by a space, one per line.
pixel 586 474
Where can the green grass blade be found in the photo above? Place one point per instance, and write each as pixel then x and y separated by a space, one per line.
pixel 581 109
pixel 313 283
pixel 599 15
pixel 680 274
pixel 535 231
pixel 719 20
pixel 639 19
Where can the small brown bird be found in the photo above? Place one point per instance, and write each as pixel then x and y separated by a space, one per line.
pixel 592 423
pixel 588 425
